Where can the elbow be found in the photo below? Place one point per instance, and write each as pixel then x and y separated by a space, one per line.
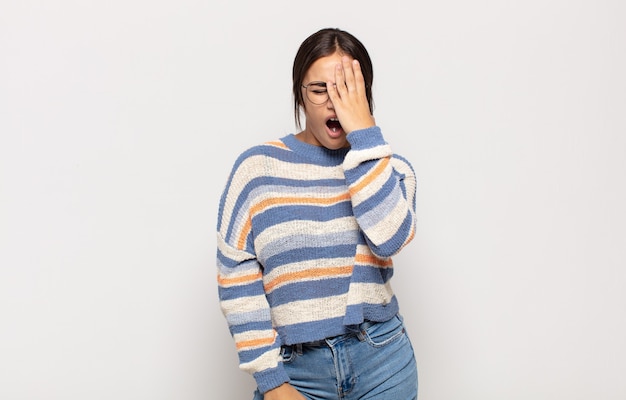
pixel 395 243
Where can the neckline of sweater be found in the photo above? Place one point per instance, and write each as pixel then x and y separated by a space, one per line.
pixel 317 153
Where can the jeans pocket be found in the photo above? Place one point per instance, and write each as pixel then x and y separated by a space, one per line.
pixel 383 333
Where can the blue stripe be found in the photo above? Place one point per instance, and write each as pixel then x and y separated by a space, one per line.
pixel 309 290
pixel 299 241
pixel 277 215
pixel 239 291
pixel 250 326
pixel 410 167
pixel 371 274
pixel 250 355
pixel 310 331
pixel 373 312
pixel 378 206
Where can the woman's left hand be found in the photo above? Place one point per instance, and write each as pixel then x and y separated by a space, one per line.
pixel 349 97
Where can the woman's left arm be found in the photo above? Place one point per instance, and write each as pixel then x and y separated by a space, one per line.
pixel 382 188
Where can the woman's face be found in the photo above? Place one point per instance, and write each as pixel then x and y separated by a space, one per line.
pixel 321 128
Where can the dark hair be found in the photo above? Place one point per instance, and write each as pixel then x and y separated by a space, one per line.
pixel 324 43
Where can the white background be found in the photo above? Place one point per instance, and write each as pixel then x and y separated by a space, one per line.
pixel 120 120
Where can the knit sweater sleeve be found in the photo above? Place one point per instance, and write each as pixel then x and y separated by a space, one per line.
pixel 240 283
pixel 382 188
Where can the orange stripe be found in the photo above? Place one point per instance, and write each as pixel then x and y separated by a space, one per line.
pixel 257 208
pixel 277 144
pixel 372 175
pixel 239 279
pixel 241 243
pixel 311 273
pixel 274 201
pixel 255 343
pixel 373 260
pixel 411 236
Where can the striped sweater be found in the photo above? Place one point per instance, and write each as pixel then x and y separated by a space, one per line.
pixel 304 243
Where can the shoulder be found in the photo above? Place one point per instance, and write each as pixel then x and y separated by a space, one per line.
pixel 267 149
pixel 257 155
pixel 257 163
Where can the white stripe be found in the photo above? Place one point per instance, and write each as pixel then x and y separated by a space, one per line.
pixel 267 360
pixel 356 157
pixel 261 165
pixel 306 265
pixel 244 304
pixel 371 293
pixel 231 252
pixel 309 310
pixel 277 191
pixel 302 172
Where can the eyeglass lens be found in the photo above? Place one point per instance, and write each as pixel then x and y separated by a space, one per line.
pixel 316 92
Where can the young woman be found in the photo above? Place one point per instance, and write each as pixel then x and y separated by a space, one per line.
pixel 307 226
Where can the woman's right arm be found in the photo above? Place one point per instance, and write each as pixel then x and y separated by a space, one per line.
pixel 240 282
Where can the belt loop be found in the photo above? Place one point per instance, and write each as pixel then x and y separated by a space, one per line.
pixel 362 328
pixel 299 349
pixel 360 332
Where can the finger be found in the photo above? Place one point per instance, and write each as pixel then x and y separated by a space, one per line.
pixel 348 72
pixel 331 89
pixel 358 77
pixel 340 80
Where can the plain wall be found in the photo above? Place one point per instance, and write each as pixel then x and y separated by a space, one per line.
pixel 120 120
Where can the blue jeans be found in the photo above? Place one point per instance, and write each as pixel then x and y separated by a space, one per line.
pixel 376 361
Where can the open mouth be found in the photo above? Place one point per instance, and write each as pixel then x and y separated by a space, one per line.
pixel 333 124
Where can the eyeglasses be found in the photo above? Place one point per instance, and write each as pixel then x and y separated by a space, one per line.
pixel 316 92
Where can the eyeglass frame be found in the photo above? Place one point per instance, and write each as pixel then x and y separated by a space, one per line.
pixel 320 84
